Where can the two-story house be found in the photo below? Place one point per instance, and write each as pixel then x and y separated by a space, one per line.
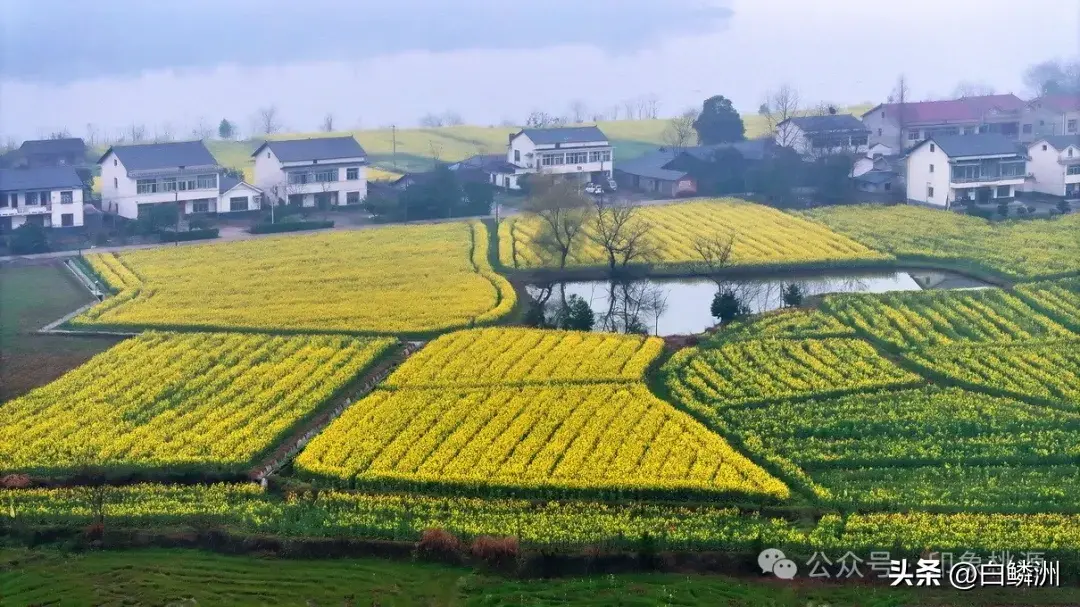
pixel 38 153
pixel 136 177
pixel 902 126
pixel 48 196
pixel 320 172
pixel 947 169
pixel 1060 112
pixel 814 136
pixel 1055 166
pixel 582 153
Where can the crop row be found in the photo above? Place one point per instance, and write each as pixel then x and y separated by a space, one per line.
pixel 929 318
pixel 601 438
pixel 782 324
pixel 557 524
pixel 770 369
pixel 510 356
pixel 193 401
pixel 408 279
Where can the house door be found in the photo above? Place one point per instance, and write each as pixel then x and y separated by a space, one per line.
pixel 983 194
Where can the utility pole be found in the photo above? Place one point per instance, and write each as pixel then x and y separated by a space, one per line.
pixel 393 135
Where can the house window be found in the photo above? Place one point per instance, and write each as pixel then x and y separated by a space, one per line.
pixel 879 132
pixel 66 197
pixel 67 220
pixel 551 159
pixel 577 157
pixel 30 199
pixel 929 192
pixel 115 184
pixel 296 199
pixel 931 168
pixel 1069 153
pixel 1073 170
pixel 888 187
pixel 883 114
pixel 114 162
pixel 517 155
pixel 602 156
pixel 200 206
pixel 1071 126
pixel 44 197
pixel 932 149
pixel 146 186
pixel 4 200
pixel 268 154
pixel 187 184
pixel 1044 147
pixel 352 197
pixel 913 135
pixel 858 140
pixel 1027 129
pixel 326 176
pixel 1004 191
pixel 298 178
pixel 168 184
pixel 238 203
pixel 206 182
pixel 352 174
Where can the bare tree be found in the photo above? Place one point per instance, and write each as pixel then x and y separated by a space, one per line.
pixel 92 135
pixel 507 122
pixel 136 133
pixel 436 152
pixel 267 120
pixel 780 105
pixel 900 96
pixel 613 112
pixel 630 108
pixel 431 121
pixel 540 120
pixel 203 129
pixel 452 118
pixel 563 211
pixel 164 134
pixel 1054 77
pixel 967 89
pixel 714 252
pixel 652 106
pixel 578 111
pixel 327 125
pixel 622 233
pixel 655 301
pixel 680 133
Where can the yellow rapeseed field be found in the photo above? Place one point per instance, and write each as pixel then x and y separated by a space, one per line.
pixel 381 280
pixel 763 237
pixel 179 402
pixel 1027 248
pixel 498 410
pixel 599 437
pixel 527 356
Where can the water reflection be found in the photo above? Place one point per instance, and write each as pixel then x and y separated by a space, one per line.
pixel 681 306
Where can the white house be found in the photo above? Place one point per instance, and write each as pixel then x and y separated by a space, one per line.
pixel 48 196
pixel 812 136
pixel 946 169
pixel 236 195
pixel 1055 166
pixel 1061 112
pixel 323 171
pixel 136 177
pixel 583 153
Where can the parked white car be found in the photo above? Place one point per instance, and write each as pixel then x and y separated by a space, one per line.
pixel 593 188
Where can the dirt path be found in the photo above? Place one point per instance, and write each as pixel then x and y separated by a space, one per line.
pixel 300 437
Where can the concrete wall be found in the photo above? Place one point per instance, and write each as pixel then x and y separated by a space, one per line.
pixel 921 178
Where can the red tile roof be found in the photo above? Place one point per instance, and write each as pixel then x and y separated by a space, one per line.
pixel 953 110
pixel 1060 103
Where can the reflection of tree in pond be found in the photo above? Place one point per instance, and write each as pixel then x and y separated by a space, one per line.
pixel 632 307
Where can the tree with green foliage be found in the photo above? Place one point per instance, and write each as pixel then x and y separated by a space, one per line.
pixel 27 239
pixel 719 122
pixel 478 198
pixel 574 315
pixel 792 294
pixel 226 130
pixel 726 306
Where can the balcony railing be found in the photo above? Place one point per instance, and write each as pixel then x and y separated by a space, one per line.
pixel 33 209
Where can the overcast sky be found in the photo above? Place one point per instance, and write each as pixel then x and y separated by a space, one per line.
pixel 373 63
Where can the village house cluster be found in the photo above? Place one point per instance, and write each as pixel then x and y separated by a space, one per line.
pixel 937 153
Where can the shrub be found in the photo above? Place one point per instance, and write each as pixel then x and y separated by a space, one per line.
pixel 438 543
pixel 495 551
pixel 28 239
pixel 173 235
pixel 1063 206
pixel 289 226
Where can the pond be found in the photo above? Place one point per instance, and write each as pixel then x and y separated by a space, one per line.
pixel 681 306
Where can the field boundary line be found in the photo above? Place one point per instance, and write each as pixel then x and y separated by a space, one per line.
pixel 299 439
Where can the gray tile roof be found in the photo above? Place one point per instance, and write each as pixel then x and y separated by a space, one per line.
pixel 651 165
pixel 162 155
pixel 493 163
pixel 1060 142
pixel 986 144
pixel 752 149
pixel 68 145
pixel 570 134
pixel 829 123
pixel 316 148
pixel 877 177
pixel 39 179
pixel 226 183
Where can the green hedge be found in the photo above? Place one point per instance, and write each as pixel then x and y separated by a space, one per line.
pixel 289 226
pixel 173 236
